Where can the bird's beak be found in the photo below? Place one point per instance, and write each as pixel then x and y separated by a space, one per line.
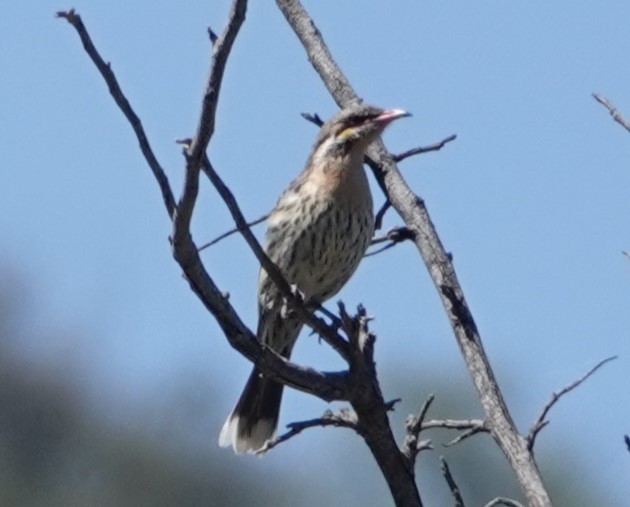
pixel 389 115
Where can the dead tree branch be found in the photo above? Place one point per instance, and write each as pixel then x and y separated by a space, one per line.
pixel 424 149
pixel 394 236
pixel 541 422
pixel 227 234
pixel 452 485
pixel 412 444
pixel 414 213
pixel 617 116
pixel 503 501
pixel 343 418
pixel 114 89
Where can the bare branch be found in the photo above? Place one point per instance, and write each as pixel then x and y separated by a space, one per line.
pixel 232 231
pixel 626 439
pixel 423 149
pixel 455 424
pixel 344 418
pixel 613 111
pixel 378 218
pixel 452 485
pixel 212 36
pixel 466 434
pixel 540 423
pixel 469 427
pixel 220 51
pixel 114 89
pixel 503 501
pixel 313 118
pixel 412 445
pixel 394 236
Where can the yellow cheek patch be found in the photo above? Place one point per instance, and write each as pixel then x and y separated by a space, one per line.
pixel 345 133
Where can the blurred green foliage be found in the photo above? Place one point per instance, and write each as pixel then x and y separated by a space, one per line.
pixel 59 449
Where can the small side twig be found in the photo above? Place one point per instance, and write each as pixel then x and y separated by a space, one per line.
pixel 412 445
pixel 464 435
pixel 232 231
pixel 468 427
pixel 344 418
pixel 123 104
pixel 424 149
pixel 541 422
pixel 452 485
pixel 394 236
pixel 380 214
pixel 503 501
pixel 212 36
pixel 626 439
pixel 313 118
pixel 617 116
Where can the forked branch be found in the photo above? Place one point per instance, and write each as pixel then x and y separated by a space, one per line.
pixel 542 421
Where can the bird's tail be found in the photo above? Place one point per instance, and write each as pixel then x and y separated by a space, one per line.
pixel 255 417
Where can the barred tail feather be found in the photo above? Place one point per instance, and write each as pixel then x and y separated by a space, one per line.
pixel 255 417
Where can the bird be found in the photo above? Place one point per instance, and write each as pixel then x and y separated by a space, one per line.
pixel 316 235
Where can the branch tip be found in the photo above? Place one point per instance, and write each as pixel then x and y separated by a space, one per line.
pixel 313 118
pixel 424 149
pixel 541 421
pixel 212 36
pixel 452 485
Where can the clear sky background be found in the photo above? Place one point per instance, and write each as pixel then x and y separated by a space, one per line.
pixel 532 200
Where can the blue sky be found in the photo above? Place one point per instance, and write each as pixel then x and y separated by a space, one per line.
pixel 532 198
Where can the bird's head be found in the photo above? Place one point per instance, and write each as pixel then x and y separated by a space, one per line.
pixel 352 129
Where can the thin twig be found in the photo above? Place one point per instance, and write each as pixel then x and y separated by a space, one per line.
pixel 452 485
pixel 380 214
pixel 221 49
pixel 455 424
pixel 423 149
pixel 313 118
pixel 232 231
pixel 196 151
pixel 394 236
pixel 540 423
pixel 121 100
pixel 464 435
pixel 344 418
pixel 468 427
pixel 412 445
pixel 613 111
pixel 212 36
pixel 626 439
pixel 503 501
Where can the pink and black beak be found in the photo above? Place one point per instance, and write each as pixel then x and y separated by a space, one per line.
pixel 389 115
